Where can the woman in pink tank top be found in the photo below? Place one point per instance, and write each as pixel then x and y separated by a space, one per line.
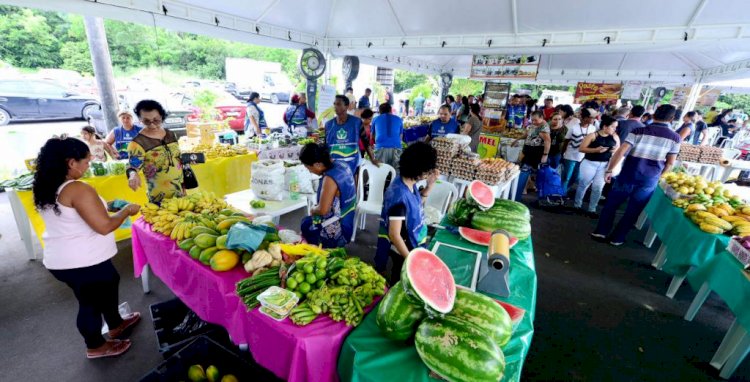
pixel 79 242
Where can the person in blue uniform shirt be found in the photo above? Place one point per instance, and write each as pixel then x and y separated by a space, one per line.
pixel 122 135
pixel 297 117
pixel 255 119
pixel 342 135
pixel 388 130
pixel 331 223
pixel 442 126
pixel 402 225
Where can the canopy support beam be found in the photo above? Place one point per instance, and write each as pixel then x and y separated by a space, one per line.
pixel 697 12
pixel 693 96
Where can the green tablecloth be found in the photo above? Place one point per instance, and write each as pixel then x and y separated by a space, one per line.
pixel 687 245
pixel 725 276
pixel 368 356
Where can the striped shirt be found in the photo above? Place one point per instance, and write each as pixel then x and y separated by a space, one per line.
pixel 650 146
pixel 575 134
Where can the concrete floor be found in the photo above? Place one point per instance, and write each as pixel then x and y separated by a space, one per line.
pixel 601 313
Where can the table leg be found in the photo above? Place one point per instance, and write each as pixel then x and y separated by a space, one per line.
pixel 145 278
pixel 676 283
pixel 660 258
pixel 641 220
pixel 648 241
pixel 730 341
pixel 738 355
pixel 276 219
pixel 698 301
pixel 514 187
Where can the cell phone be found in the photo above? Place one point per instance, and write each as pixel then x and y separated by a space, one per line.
pixel 188 158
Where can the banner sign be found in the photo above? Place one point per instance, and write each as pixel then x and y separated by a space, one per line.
pixel 632 90
pixel 709 97
pixel 680 96
pixel 587 91
pixel 504 66
pixel 488 144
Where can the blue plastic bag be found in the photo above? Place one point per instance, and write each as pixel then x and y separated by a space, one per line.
pixel 549 186
pixel 246 236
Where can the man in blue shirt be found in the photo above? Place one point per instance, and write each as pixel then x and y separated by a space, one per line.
pixel 625 126
pixel 364 101
pixel 122 135
pixel 388 130
pixel 649 151
pixel 419 105
pixel 442 126
pixel 342 135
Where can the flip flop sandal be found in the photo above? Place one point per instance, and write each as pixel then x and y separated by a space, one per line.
pixel 119 348
pixel 129 322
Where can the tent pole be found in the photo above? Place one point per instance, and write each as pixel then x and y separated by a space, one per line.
pixel 693 96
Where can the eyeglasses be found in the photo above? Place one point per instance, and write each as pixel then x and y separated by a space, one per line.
pixel 155 122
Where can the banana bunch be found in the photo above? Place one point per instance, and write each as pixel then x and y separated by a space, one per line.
pixel 682 203
pixel 207 202
pixel 182 229
pixel 220 150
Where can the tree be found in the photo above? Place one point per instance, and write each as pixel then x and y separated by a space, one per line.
pixel 27 40
pixel 406 80
pixel 736 101
pixel 425 90
pixel 466 87
pixel 76 56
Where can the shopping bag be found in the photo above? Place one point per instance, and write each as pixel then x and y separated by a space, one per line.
pixel 549 186
pixel 267 179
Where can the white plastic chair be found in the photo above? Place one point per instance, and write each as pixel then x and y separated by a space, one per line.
pixel 442 195
pixel 731 154
pixel 373 205
pixel 712 135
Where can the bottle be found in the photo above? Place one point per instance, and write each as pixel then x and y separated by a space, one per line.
pixel 294 186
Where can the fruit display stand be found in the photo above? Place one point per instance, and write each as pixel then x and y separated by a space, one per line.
pixel 291 352
pixel 683 244
pixel 220 175
pixel 725 275
pixel 369 356
pixel 285 153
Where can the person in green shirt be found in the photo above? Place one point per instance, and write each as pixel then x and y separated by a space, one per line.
pixel 419 105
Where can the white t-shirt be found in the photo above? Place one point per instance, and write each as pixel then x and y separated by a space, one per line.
pixel 575 134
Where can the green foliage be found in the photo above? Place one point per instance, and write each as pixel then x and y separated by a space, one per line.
pixel 425 90
pixel 406 80
pixel 206 100
pixel 466 87
pixel 75 56
pixel 27 39
pixel 736 101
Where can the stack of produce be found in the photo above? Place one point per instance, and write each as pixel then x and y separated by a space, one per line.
pixel 117 167
pixel 514 133
pixel 196 373
pixel 446 148
pixel 21 182
pixel 458 334
pixel 220 150
pixel 496 170
pixel 479 210
pixel 700 154
pixel 722 218
pixel 410 122
pixel 490 125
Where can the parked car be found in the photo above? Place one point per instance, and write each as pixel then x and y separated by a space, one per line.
pixel 62 77
pixel 34 99
pixel 230 108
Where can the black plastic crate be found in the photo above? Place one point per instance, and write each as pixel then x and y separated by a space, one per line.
pixel 205 352
pixel 168 314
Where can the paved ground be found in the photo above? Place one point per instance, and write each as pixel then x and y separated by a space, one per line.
pixel 601 314
pixel 22 140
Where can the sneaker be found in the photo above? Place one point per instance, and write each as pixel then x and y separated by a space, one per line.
pixel 615 243
pixel 598 237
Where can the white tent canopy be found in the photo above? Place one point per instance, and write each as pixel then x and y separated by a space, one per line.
pixel 668 41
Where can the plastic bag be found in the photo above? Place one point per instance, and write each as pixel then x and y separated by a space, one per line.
pixel 303 178
pixel 267 179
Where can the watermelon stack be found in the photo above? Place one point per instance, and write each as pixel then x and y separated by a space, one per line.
pixel 508 215
pixel 459 333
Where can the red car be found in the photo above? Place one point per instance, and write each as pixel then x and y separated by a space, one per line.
pixel 230 109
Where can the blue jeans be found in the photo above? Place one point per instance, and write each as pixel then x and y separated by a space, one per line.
pixel 554 160
pixel 523 177
pixel 637 197
pixel 569 173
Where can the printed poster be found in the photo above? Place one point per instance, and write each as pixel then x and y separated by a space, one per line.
pixel 588 91
pixel 504 66
pixel 325 103
pixel 708 97
pixel 632 90
pixel 488 144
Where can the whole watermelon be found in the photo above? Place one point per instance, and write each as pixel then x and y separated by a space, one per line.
pixel 485 313
pixel 461 213
pixel 397 316
pixel 505 214
pixel 459 351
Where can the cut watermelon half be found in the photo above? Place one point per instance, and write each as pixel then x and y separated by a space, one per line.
pixel 426 278
pixel 516 313
pixel 481 237
pixel 481 194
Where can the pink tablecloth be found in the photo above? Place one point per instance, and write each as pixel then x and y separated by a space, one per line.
pixel 291 352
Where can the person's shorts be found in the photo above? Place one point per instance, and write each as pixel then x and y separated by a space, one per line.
pixel 389 156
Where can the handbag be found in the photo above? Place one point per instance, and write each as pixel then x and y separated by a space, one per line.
pixel 189 181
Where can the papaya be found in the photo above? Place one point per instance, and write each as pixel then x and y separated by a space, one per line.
pixel 221 242
pixel 226 212
pixel 206 254
pixel 224 231
pixel 195 252
pixel 205 240
pixel 229 378
pixel 226 223
pixel 197 230
pixel 224 260
pixel 186 244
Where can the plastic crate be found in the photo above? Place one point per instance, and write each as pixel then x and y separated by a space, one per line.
pixel 739 252
pixel 205 352
pixel 168 314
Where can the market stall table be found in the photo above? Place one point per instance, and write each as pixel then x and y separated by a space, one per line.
pixel 220 176
pixel 367 355
pixel 274 208
pixel 725 275
pixel 503 190
pixel 683 244
pixel 293 353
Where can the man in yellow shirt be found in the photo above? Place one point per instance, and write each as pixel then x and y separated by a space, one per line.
pixel 711 115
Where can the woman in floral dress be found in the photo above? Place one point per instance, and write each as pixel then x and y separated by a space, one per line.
pixel 155 151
